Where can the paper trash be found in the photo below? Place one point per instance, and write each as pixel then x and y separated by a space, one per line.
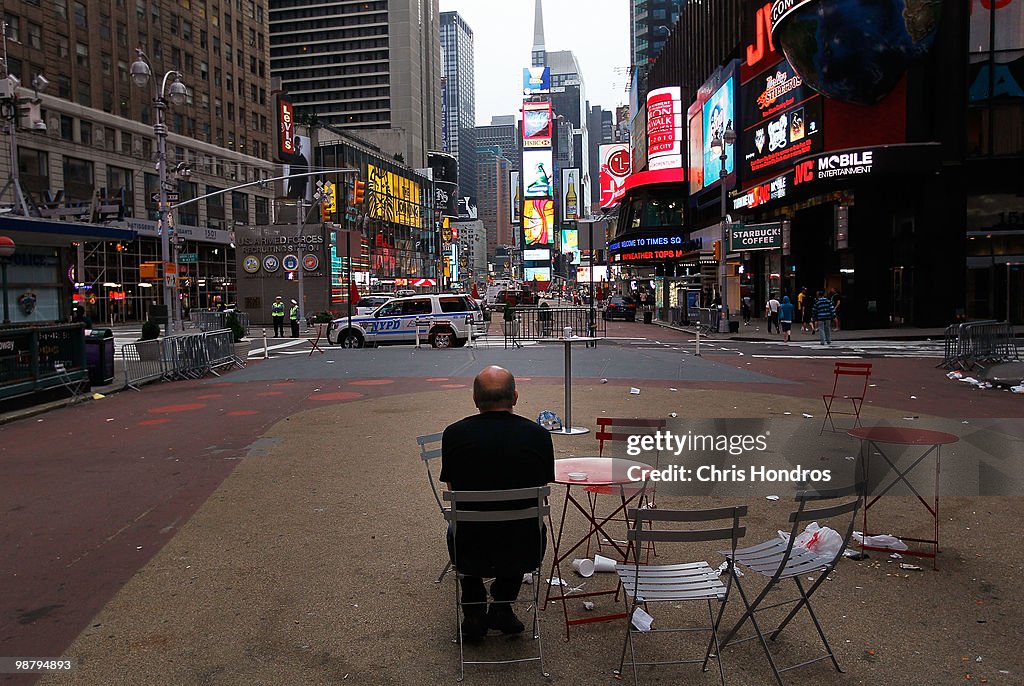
pixel 808 416
pixel 634 391
pixel 641 620
pixel 528 579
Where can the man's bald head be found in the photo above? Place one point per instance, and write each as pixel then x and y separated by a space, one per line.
pixel 494 390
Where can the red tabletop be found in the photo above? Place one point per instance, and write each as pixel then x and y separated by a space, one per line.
pixel 901 435
pixel 600 471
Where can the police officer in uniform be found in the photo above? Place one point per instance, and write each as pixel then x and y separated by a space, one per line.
pixel 277 315
pixel 293 317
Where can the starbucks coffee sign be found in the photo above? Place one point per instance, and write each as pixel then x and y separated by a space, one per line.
pixel 755 236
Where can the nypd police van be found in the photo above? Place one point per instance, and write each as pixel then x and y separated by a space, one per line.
pixel 444 322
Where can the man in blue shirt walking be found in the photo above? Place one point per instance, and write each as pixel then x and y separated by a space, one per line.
pixel 823 314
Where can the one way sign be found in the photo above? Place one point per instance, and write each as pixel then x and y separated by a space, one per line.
pixel 171 197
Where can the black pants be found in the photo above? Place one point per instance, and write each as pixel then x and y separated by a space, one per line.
pixel 278 327
pixel 295 328
pixel 504 589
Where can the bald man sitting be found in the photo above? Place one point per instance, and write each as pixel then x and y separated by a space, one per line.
pixel 495 449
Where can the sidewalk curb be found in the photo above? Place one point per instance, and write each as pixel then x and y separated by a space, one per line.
pixel 761 339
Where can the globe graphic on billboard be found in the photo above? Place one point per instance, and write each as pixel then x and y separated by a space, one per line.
pixel 852 50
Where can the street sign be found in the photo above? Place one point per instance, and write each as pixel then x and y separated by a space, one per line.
pixel 188 258
pixel 170 280
pixel 171 197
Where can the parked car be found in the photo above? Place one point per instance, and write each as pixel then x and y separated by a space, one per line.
pixel 369 303
pixel 395 322
pixel 620 307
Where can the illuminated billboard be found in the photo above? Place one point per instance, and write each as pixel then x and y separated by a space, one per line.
pixel 782 120
pixel 570 194
pixel 615 167
pixel 718 113
pixel 537 273
pixel 536 80
pixel 514 199
pixel 536 124
pixel 543 255
pixel 539 221
pixel 537 174
pixel 664 129
pixel 392 197
pixel 571 244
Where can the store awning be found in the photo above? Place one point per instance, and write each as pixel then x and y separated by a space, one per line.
pixel 33 231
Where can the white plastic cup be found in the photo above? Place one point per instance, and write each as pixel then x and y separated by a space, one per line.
pixel 567 332
pixel 583 567
pixel 603 564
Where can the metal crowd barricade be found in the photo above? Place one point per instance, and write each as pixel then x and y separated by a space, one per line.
pixel 183 356
pixel 220 350
pixel 978 344
pixel 707 320
pixel 142 363
pixel 536 323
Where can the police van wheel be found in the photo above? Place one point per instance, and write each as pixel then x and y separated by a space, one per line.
pixel 350 339
pixel 443 338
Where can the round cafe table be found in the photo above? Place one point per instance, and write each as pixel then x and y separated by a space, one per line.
pixel 592 471
pixel 568 429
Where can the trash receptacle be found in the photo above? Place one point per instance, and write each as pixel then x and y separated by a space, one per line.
pixel 99 356
pixel 648 316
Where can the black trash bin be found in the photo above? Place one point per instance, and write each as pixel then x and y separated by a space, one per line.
pixel 648 317
pixel 99 356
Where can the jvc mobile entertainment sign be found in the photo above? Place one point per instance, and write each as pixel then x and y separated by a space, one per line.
pixel 745 237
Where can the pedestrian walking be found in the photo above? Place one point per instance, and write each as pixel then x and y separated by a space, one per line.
pixel 277 316
pixel 745 305
pixel 293 317
pixel 786 312
pixel 803 310
pixel 771 311
pixel 823 315
pixel 834 298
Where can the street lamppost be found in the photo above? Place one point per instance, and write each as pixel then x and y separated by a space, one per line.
pixel 6 250
pixel 721 145
pixel 177 94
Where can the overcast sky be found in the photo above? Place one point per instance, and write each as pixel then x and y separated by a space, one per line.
pixel 597 31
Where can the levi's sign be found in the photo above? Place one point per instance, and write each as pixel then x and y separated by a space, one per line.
pixel 755 236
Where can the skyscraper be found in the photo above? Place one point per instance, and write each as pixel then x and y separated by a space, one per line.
pixel 503 134
pixel 459 108
pixel 366 65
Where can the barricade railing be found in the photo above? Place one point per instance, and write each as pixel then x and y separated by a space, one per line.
pixel 978 344
pixel 535 323
pixel 183 356
pixel 215 320
pixel 708 319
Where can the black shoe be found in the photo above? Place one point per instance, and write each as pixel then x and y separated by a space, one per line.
pixel 502 618
pixel 474 626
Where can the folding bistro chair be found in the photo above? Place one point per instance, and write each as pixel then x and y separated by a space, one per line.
pixel 618 430
pixel 780 559
pixel 74 380
pixel 430 449
pixel 673 583
pixel 464 510
pixel 852 390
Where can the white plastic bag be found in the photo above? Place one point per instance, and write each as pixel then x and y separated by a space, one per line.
pixel 886 541
pixel 822 541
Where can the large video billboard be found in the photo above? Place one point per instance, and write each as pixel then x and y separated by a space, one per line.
pixel 536 80
pixel 782 120
pixel 538 176
pixel 514 199
pixel 719 113
pixel 571 244
pixel 571 191
pixel 664 129
pixel 539 221
pixel 536 124
pixel 615 167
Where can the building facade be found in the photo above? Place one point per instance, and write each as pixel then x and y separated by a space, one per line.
pixel 85 156
pixel 492 201
pixel 458 126
pixel 372 66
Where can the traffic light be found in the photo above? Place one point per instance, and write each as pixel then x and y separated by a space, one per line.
pixel 325 211
pixel 357 192
pixel 718 251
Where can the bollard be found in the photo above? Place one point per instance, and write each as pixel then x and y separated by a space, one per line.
pixel 469 331
pixel 266 353
pixel 698 341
